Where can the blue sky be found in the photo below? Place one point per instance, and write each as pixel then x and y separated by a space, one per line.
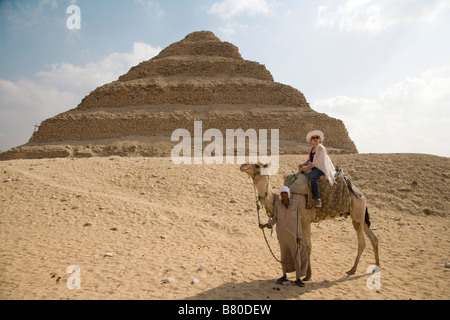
pixel 381 66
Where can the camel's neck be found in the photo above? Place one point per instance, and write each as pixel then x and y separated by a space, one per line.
pixel 265 191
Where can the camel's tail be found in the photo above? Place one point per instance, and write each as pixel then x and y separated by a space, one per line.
pixel 366 218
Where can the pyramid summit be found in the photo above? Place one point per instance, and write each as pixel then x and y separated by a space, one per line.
pixel 198 70
pixel 201 43
pixel 199 78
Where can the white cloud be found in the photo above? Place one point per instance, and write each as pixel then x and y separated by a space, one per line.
pixel 82 78
pixel 419 94
pixel 24 103
pixel 377 16
pixel 411 116
pixel 152 7
pixel 228 9
pixel 27 101
pixel 353 15
pixel 231 28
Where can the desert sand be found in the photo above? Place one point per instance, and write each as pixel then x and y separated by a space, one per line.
pixel 145 228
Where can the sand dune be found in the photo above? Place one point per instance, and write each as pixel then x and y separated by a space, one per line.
pixel 144 228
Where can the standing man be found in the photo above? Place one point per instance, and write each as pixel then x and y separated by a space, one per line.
pixel 286 216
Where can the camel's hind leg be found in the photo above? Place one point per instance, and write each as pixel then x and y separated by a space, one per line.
pixel 373 238
pixel 358 216
pixel 359 227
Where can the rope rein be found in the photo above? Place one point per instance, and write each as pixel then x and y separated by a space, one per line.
pixel 258 201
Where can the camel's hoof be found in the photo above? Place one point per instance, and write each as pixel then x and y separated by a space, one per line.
pixel 351 272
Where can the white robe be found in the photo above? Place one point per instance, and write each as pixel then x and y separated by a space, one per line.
pixel 289 227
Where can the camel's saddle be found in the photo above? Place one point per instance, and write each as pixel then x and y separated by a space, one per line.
pixel 335 198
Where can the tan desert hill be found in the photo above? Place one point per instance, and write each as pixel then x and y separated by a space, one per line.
pixel 199 78
pixel 144 228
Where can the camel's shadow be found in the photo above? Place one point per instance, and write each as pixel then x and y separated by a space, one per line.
pixel 267 289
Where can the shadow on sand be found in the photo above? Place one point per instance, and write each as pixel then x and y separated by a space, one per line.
pixel 267 289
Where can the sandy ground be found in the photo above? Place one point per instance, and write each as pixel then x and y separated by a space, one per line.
pixel 145 228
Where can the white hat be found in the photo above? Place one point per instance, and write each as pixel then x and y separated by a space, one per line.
pixel 285 189
pixel 315 133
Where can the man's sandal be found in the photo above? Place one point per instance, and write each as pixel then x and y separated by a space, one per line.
pixel 281 280
pixel 299 283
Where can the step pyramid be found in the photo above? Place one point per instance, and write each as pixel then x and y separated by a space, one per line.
pixel 199 78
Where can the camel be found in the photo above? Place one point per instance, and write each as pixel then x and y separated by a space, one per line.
pixel 358 213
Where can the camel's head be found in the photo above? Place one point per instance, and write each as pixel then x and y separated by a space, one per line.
pixel 253 169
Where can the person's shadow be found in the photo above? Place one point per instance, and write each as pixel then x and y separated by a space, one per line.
pixel 267 289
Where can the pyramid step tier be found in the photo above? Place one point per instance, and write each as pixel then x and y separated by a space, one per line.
pixel 198 66
pixel 163 120
pixel 214 48
pixel 193 91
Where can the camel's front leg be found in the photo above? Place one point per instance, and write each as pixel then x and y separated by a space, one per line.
pixel 361 245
